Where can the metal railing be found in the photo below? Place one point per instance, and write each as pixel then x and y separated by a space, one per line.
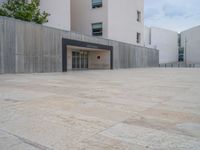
pixel 179 65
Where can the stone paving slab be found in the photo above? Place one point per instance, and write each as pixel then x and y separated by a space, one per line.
pixel 130 109
pixel 9 141
pixel 152 138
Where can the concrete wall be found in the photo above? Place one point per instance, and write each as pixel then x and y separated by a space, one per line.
pixel 119 18
pixel 191 42
pixel 132 56
pixel 83 15
pixel 166 42
pixel 122 20
pixel 29 48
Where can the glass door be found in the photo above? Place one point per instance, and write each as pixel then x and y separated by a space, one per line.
pixel 75 60
pixel 79 60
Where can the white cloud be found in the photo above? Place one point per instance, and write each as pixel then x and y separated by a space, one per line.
pixel 176 15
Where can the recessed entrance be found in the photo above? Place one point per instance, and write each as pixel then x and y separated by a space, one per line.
pixel 78 55
pixel 79 58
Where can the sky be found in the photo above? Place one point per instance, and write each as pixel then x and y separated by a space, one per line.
pixel 176 15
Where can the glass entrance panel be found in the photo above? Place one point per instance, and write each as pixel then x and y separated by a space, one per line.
pixel 75 60
pixel 79 59
pixel 86 60
pixel 82 59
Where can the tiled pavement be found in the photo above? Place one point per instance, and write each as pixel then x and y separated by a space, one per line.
pixel 133 109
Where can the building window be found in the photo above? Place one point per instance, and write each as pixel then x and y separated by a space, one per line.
pixel 179 40
pixel 138 38
pixel 181 54
pixel 97 3
pixel 97 29
pixel 138 16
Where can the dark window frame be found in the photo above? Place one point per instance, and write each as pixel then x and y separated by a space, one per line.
pixel 97 32
pixel 97 5
pixel 181 54
pixel 139 16
pixel 138 38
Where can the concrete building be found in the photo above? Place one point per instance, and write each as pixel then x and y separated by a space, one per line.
pixel 120 20
pixel 100 18
pixel 28 48
pixel 33 48
pixel 190 45
pixel 165 41
pixel 174 47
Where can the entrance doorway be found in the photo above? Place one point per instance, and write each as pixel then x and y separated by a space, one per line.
pixel 79 60
pixel 79 55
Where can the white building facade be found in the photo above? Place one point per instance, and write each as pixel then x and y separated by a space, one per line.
pixel 165 41
pixel 120 20
pixel 173 46
pixel 60 13
pixel 190 45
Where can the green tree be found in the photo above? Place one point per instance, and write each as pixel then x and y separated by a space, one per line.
pixel 21 9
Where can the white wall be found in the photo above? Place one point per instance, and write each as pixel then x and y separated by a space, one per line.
pixel 122 20
pixel 60 13
pixel 119 18
pixel 192 45
pixel 82 16
pixel 166 42
pixel 102 63
pixel 147 36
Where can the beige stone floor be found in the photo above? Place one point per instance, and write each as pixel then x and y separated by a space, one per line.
pixel 133 109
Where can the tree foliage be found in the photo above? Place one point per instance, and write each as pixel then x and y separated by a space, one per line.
pixel 23 10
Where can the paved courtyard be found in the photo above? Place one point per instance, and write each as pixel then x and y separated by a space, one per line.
pixel 136 109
